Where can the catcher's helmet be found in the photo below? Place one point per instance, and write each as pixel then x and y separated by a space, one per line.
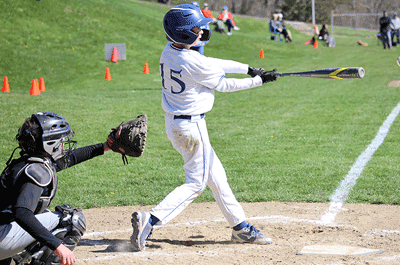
pixel 48 132
pixel 179 22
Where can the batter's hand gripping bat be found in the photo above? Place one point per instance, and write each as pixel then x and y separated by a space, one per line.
pixel 330 73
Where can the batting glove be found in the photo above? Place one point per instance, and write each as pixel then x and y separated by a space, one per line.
pixel 255 71
pixel 269 76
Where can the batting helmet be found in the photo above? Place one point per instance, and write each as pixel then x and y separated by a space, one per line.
pixel 179 22
pixel 46 132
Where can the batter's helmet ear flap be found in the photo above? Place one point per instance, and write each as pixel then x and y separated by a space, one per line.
pixel 206 35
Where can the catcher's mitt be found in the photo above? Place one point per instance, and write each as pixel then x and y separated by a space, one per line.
pixel 129 138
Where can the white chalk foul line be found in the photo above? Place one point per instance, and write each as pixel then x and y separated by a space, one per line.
pixel 341 193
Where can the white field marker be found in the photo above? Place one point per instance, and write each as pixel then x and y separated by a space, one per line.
pixel 341 193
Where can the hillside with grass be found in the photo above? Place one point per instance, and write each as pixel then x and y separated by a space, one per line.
pixel 292 140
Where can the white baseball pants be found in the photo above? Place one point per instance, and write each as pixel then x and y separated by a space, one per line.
pixel 202 167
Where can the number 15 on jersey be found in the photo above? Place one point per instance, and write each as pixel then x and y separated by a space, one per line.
pixel 172 80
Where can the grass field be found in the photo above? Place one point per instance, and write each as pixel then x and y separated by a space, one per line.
pixel 292 140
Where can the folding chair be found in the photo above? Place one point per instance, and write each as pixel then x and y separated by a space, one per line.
pixel 274 31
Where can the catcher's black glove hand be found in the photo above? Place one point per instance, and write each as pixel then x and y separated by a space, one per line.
pixel 129 138
pixel 269 76
pixel 255 71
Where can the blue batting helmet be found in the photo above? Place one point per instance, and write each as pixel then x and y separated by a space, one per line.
pixel 179 22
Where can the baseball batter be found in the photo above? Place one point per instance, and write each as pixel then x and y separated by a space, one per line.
pixel 189 81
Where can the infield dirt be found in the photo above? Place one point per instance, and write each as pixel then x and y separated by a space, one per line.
pixel 200 235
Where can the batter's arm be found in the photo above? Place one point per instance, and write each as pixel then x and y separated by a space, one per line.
pixel 234 84
pixel 229 66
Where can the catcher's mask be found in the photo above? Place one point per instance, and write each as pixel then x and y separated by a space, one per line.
pixel 47 132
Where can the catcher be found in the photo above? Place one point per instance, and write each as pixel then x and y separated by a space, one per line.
pixel 29 233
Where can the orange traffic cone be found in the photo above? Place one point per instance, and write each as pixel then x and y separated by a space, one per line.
pixel 360 42
pixel 35 88
pixel 146 68
pixel 316 44
pixel 262 53
pixel 308 42
pixel 115 55
pixel 107 75
pixel 42 87
pixel 6 86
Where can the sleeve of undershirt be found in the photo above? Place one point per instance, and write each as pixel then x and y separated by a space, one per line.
pixel 85 153
pixel 26 203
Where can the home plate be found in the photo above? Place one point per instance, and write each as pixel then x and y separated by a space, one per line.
pixel 337 250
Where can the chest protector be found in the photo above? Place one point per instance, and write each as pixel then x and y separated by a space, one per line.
pixel 40 171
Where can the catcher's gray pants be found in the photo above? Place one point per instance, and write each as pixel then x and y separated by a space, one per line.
pixel 16 239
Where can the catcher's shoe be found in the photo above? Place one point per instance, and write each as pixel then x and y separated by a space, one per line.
pixel 250 234
pixel 141 230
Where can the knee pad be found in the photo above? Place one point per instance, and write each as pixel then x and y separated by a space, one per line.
pixel 72 217
pixel 74 222
pixel 71 228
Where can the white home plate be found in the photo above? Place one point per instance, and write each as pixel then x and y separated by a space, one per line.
pixel 337 250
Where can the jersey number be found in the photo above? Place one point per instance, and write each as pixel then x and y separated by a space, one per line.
pixel 174 76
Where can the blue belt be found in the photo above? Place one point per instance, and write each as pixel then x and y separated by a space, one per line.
pixel 186 117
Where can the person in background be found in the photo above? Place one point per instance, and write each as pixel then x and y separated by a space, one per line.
pixel 395 28
pixel 282 28
pixel 323 33
pixel 219 24
pixel 384 30
pixel 274 22
pixel 227 18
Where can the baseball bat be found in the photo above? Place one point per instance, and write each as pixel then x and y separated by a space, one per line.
pixel 330 73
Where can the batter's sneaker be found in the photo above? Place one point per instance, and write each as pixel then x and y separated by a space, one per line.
pixel 250 234
pixel 141 230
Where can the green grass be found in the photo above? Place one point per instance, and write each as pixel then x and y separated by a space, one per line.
pixel 291 140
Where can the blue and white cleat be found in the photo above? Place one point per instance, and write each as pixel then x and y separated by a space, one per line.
pixel 250 234
pixel 142 229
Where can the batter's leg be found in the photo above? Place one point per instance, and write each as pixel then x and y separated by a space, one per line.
pixel 191 140
pixel 223 194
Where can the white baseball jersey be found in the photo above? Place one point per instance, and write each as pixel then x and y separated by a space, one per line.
pixel 189 80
